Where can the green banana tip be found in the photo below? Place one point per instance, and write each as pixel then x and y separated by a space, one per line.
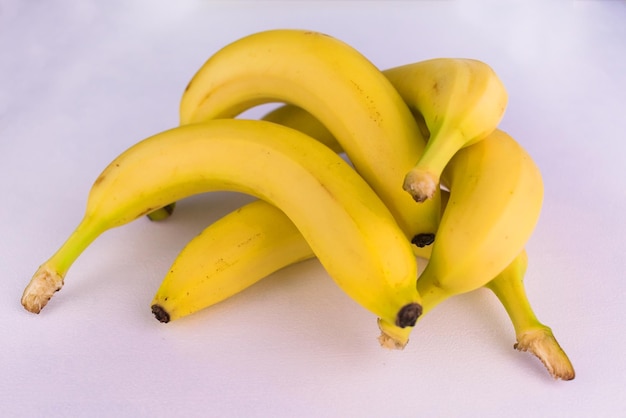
pixel 162 213
pixel 160 313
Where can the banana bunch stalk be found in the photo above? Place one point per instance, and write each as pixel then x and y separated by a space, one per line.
pixel 428 128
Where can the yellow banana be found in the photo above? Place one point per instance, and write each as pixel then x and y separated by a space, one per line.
pixel 496 194
pixel 230 255
pixel 336 84
pixel 349 229
pixel 531 334
pixel 461 101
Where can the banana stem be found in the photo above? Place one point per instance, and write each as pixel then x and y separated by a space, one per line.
pixel 422 181
pixel 48 279
pixel 531 334
pixel 512 294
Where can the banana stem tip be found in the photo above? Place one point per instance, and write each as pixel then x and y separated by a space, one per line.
pixel 390 343
pixel 392 337
pixel 421 185
pixel 544 346
pixel 44 284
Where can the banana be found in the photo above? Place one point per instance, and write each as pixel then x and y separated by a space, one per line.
pixel 461 101
pixel 531 334
pixel 496 194
pixel 348 227
pixel 230 255
pixel 336 84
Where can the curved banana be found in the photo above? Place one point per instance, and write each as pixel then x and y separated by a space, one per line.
pixel 461 101
pixel 350 230
pixel 496 194
pixel 531 334
pixel 230 255
pixel 336 84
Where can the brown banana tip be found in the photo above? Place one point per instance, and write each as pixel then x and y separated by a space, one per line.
pixel 408 314
pixel 544 346
pixel 422 240
pixel 160 314
pixel 421 185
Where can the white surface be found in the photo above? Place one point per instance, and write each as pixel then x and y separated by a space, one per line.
pixel 80 84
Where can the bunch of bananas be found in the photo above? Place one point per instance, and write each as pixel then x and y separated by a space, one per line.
pixel 369 171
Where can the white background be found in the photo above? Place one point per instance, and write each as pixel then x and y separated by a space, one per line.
pixel 81 83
